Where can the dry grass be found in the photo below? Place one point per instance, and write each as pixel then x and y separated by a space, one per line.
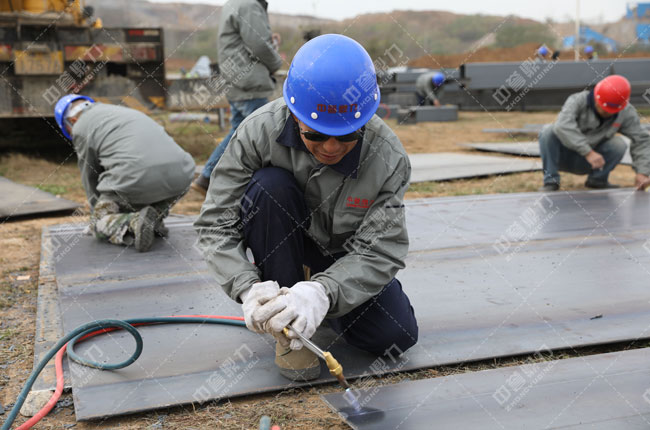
pixel 294 409
pixel 445 136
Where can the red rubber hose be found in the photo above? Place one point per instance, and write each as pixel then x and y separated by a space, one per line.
pixel 58 366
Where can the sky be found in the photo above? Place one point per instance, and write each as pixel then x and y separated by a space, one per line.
pixel 595 11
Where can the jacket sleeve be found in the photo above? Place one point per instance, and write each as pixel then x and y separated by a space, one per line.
pixel 219 223
pixel 90 168
pixel 434 94
pixel 566 125
pixel 640 146
pixel 375 252
pixel 255 31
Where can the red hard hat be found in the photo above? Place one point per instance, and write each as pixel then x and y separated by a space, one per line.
pixel 612 93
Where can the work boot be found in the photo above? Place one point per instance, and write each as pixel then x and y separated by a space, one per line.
pixel 297 365
pixel 201 184
pixel 160 229
pixel 547 188
pixel 600 185
pixel 143 229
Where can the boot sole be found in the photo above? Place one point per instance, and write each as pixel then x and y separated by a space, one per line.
pixel 602 187
pixel 300 374
pixel 308 374
pixel 145 229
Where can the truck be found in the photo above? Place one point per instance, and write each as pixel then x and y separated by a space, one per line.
pixel 50 48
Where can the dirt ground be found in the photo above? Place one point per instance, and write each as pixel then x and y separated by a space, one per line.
pixel 294 409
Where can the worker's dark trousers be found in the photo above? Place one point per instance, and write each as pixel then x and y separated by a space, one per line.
pixel 556 157
pixel 275 219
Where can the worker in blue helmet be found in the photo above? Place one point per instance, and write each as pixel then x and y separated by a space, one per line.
pixel 313 184
pixel 429 88
pixel 132 171
pixel 590 53
pixel 541 54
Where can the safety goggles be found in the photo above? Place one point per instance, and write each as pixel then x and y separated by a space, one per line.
pixel 315 136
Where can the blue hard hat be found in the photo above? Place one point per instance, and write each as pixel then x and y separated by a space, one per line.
pixel 589 49
pixel 438 78
pixel 62 105
pixel 543 50
pixel 331 85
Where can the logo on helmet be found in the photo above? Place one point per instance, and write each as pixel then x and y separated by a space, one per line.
pixel 336 109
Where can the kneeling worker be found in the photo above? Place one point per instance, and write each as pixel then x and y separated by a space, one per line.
pixel 315 179
pixel 132 170
pixel 583 138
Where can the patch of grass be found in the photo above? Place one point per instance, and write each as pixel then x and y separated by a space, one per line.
pixel 199 147
pixel 510 183
pixel 515 183
pixel 7 334
pixel 5 294
pixel 51 176
pixel 52 188
pixel 193 128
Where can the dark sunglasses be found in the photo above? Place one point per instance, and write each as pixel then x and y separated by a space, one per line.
pixel 320 137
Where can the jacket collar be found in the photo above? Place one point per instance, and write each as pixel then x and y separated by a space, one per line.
pixel 348 166
pixel 591 102
pixel 264 4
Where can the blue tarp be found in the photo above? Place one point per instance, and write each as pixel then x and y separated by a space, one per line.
pixel 588 35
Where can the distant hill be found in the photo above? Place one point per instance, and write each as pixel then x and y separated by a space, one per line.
pixel 394 38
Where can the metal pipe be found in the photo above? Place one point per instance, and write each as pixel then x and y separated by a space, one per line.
pixel 333 365
pixel 576 44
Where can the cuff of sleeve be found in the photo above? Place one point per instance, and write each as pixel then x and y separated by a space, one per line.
pixel 242 296
pixel 331 290
pixel 584 150
pixel 643 172
pixel 243 285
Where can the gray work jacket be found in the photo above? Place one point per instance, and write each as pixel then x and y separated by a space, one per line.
pixel 580 129
pixel 247 58
pixel 356 206
pixel 426 89
pixel 123 151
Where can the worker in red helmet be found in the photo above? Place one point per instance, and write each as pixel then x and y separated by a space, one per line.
pixel 583 139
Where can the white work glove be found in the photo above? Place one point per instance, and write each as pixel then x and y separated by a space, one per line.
pixel 253 300
pixel 305 307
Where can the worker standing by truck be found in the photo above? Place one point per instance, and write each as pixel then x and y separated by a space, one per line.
pixel 132 170
pixel 247 61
